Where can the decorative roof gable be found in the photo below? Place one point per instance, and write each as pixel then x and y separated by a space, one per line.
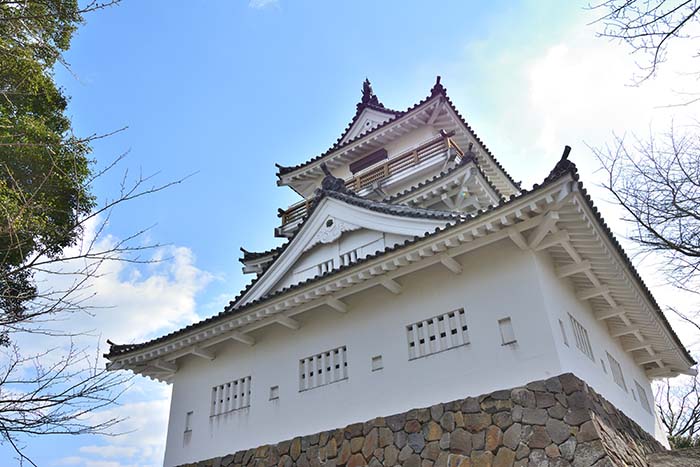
pixel 387 124
pixel 561 191
pixel 369 115
pixel 364 122
pixel 338 211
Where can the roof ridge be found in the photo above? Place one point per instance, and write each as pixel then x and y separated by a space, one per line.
pixel 251 255
pixel 282 170
pixel 438 89
pixel 230 308
pixel 563 165
pixel 562 168
pixel 368 96
pixel 335 188
pixel 369 100
pixel 469 157
pixel 443 91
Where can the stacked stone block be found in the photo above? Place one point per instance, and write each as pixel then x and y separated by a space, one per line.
pixel 557 422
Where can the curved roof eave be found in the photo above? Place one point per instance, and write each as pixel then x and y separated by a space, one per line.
pixel 562 169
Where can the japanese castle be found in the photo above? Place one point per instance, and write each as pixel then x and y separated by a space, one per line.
pixel 424 310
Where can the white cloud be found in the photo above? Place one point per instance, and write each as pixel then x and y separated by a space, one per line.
pixel 94 463
pixel 576 90
pixel 142 441
pixel 75 461
pixel 128 302
pixel 132 303
pixel 260 4
pixel 581 92
pixel 109 450
pixel 70 460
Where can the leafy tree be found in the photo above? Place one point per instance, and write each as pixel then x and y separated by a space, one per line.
pixel 44 168
pixel 46 207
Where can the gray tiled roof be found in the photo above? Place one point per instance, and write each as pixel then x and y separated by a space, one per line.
pixel 563 167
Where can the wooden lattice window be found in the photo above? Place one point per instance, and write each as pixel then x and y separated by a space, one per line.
pixel 436 334
pixel 616 371
pixel 323 368
pixel 643 397
pixel 227 397
pixel 581 336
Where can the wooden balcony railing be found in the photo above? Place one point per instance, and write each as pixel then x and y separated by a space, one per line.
pixel 429 150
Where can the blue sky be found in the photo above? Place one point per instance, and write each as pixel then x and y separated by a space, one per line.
pixel 224 89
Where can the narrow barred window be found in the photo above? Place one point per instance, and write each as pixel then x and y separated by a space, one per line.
pixel 227 397
pixel 322 369
pixel 581 336
pixel 441 332
pixel 643 397
pixel 616 371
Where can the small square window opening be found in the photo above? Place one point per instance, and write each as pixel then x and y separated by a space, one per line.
pixel 188 421
pixel 507 333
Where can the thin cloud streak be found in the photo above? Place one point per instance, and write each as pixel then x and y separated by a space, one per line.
pixel 260 4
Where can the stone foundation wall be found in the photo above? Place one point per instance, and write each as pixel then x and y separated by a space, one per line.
pixel 553 423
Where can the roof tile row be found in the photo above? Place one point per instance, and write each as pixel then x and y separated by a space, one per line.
pixel 231 309
pixel 563 167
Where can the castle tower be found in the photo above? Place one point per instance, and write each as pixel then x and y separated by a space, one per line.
pixel 423 309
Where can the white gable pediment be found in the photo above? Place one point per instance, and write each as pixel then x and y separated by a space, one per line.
pixel 336 234
pixel 330 231
pixel 368 120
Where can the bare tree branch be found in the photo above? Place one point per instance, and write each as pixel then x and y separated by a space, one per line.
pixel 647 26
pixel 656 180
pixel 678 406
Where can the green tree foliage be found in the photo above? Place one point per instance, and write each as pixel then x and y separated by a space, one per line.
pixel 44 169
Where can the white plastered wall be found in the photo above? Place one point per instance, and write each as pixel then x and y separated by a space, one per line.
pixel 497 282
pixel 560 300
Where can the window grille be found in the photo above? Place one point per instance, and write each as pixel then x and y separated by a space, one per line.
pixel 322 369
pixel 643 397
pixel 227 397
pixel 616 371
pixel 349 257
pixel 325 267
pixel 581 336
pixel 436 334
